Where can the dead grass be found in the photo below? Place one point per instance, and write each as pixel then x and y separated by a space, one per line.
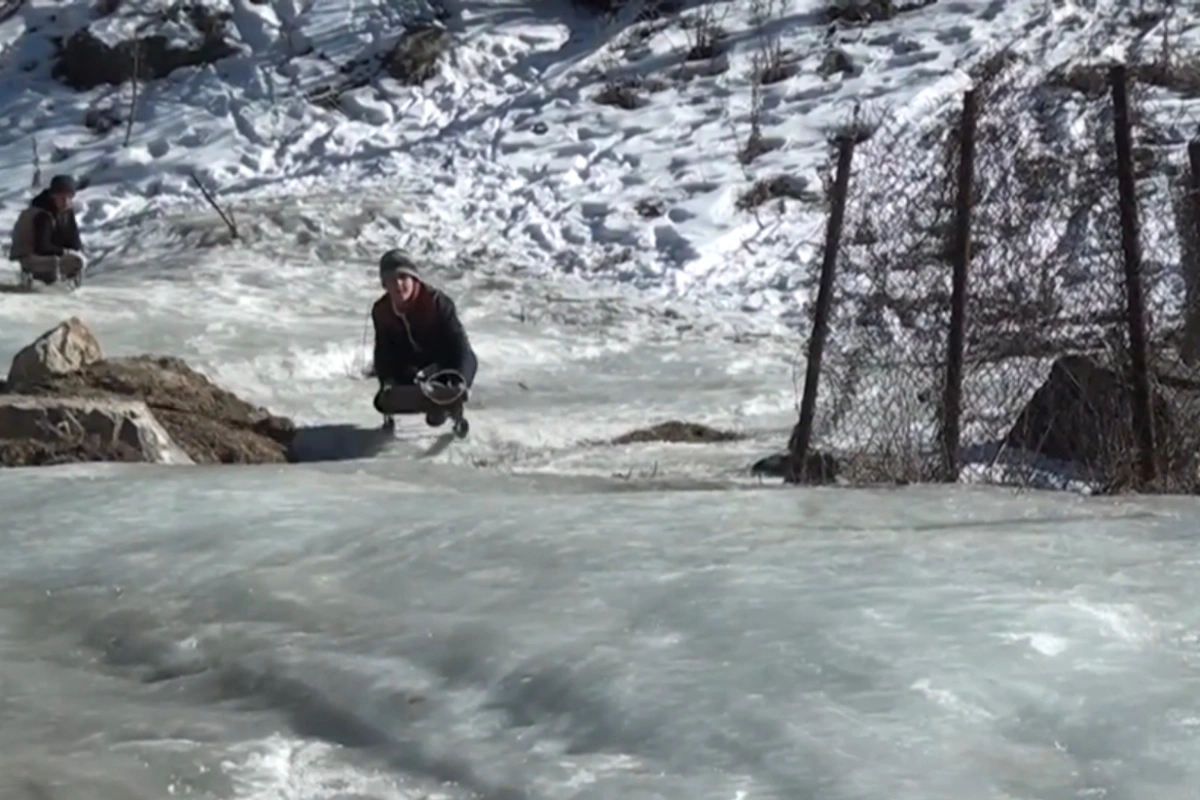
pixel 628 91
pixel 705 36
pixel 775 188
pixel 678 432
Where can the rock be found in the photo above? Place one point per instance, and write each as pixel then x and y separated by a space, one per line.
pixel 863 12
pixel 417 54
pixel 1082 414
pixel 49 430
pixel 211 425
pixel 819 468
pixel 646 9
pixel 837 61
pixel 677 431
pixel 65 348
pixel 83 61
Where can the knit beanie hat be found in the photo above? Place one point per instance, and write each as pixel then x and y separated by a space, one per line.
pixel 397 261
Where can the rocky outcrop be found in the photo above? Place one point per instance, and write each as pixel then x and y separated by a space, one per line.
pixel 137 408
pixel 212 425
pixel 56 430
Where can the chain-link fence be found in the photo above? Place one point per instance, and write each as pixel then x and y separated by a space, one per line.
pixel 1037 374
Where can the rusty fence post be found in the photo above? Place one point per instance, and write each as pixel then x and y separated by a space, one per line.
pixel 1143 419
pixel 951 410
pixel 1189 235
pixel 802 433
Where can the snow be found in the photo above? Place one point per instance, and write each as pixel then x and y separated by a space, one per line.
pixel 566 194
pixel 507 143
pixel 533 612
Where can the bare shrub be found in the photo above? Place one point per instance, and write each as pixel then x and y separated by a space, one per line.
pixel 756 143
pixel 705 36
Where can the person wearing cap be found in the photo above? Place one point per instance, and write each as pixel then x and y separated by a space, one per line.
pixel 417 330
pixel 45 238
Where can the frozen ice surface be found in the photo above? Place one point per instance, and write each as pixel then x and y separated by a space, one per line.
pixel 531 613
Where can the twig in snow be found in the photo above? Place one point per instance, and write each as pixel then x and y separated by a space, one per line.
pixel 767 66
pixel 756 144
pixel 10 9
pixel 226 218
pixel 747 174
pixel 133 96
pixel 37 165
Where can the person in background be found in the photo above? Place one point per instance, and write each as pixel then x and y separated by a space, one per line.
pixel 417 331
pixel 45 238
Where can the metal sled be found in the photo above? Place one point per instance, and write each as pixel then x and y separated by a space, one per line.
pixel 431 396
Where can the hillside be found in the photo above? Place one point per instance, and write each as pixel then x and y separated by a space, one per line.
pixel 682 150
pixel 519 128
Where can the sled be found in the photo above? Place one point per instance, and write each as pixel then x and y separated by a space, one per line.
pixel 28 283
pixel 426 397
pixel 48 275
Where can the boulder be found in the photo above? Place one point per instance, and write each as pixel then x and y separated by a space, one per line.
pixel 1082 414
pixel 65 348
pixel 83 61
pixel 417 54
pixel 51 430
pixel 210 424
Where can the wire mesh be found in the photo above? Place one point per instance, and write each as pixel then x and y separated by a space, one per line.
pixel 1046 367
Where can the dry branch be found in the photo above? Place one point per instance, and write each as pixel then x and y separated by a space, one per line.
pixel 226 218
pixel 37 164
pixel 133 89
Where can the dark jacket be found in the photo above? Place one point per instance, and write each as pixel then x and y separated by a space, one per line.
pixel 54 231
pixel 428 336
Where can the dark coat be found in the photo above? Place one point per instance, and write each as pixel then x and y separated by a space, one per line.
pixel 428 336
pixel 54 231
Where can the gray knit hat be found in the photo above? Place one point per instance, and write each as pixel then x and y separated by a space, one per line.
pixel 397 261
pixel 63 184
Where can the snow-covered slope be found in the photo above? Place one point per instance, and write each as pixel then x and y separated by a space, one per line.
pixel 507 139
pixel 546 139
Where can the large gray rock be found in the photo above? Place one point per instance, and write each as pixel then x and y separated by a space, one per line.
pixel 67 347
pixel 48 430
pixel 1082 414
